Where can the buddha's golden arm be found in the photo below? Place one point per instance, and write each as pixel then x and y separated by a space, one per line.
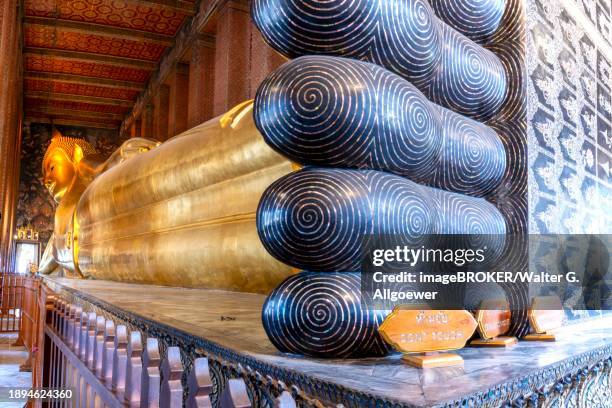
pixel 47 261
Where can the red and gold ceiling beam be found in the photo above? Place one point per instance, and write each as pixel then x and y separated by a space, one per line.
pixel 88 28
pixel 41 111
pixel 187 7
pixel 72 122
pixel 77 98
pixel 84 80
pixel 90 57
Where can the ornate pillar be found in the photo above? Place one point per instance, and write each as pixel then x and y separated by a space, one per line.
pixel 264 60
pixel 160 113
pixel 147 122
pixel 201 82
pixel 135 129
pixel 10 124
pixel 232 56
pixel 179 95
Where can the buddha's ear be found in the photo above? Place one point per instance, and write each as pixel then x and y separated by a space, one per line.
pixel 77 155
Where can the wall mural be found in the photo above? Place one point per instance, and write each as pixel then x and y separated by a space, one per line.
pixel 36 206
pixel 569 133
pixel 570 118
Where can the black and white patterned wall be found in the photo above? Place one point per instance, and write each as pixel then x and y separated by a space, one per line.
pixel 569 113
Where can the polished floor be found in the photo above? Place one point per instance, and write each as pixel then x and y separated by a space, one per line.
pixel 10 359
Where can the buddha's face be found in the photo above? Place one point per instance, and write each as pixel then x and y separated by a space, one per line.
pixel 59 173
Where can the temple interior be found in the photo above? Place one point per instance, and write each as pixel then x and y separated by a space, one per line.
pixel 199 197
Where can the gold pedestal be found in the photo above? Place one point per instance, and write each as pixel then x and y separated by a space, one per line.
pixel 501 341
pixel 433 360
pixel 540 337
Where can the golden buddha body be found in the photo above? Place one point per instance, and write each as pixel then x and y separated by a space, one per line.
pixel 181 213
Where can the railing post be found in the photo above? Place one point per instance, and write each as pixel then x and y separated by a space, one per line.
pixel 61 330
pixel 79 348
pixel 99 347
pixel 171 389
pixel 82 337
pixel 133 380
pixel 200 384
pixel 76 329
pixel 149 393
pixel 285 400
pixel 235 394
pixel 107 355
pixel 119 360
pixel 71 374
pixel 55 313
pixel 61 316
pixel 90 340
pixel 69 326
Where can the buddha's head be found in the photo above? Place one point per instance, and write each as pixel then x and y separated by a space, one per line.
pixel 60 163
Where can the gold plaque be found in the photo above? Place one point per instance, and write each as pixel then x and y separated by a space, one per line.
pixel 493 318
pixel 501 341
pixel 546 313
pixel 412 330
pixel 540 337
pixel 432 361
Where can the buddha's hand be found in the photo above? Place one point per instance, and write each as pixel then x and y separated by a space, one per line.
pixel 47 262
pixel 136 146
pixel 130 148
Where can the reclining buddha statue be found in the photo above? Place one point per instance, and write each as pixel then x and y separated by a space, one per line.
pixel 179 213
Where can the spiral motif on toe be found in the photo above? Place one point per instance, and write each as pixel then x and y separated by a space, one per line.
pixel 324 27
pixel 473 159
pixel 474 222
pixel 476 19
pixel 404 36
pixel 471 80
pixel 408 40
pixel 334 111
pixel 341 112
pixel 318 218
pixel 321 315
pixel 323 219
pixel 459 214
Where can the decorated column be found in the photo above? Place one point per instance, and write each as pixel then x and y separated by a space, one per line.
pixel 232 56
pixel 201 82
pixel 178 99
pixel 10 123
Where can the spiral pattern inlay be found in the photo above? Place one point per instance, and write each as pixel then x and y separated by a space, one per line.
pixel 322 315
pixel 476 19
pixel 322 219
pixel 334 111
pixel 404 36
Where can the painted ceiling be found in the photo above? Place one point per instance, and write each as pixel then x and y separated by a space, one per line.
pixel 86 61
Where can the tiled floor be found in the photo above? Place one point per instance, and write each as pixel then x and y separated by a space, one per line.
pixel 10 359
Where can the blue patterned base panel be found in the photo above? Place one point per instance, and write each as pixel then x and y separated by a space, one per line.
pixel 404 36
pixel 321 315
pixel 322 219
pixel 340 112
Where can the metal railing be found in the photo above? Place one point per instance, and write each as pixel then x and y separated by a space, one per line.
pixel 107 366
pixel 11 301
